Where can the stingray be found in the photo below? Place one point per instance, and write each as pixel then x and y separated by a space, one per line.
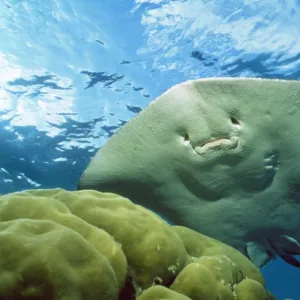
pixel 220 156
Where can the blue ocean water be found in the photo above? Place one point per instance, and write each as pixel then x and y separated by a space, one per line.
pixel 73 72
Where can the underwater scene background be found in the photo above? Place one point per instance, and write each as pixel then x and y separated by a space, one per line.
pixel 73 72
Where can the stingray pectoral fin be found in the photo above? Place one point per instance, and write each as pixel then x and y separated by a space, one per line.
pixel 286 248
pixel 290 259
pixel 259 254
pixel 290 245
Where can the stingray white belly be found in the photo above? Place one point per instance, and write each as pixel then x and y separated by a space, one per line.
pixel 220 156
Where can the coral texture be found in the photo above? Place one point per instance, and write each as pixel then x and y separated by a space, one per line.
pixel 58 244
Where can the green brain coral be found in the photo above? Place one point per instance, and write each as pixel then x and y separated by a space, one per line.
pixel 57 244
pixel 45 260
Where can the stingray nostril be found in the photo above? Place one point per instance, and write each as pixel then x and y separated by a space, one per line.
pixel 234 121
pixel 186 139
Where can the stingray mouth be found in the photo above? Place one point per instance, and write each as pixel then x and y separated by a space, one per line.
pixel 219 143
pixel 222 143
